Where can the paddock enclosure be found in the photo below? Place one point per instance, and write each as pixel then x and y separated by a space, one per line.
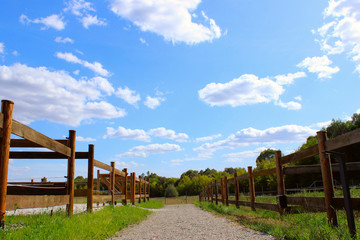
pixel 120 186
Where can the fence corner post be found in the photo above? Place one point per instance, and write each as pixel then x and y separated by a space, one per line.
pixel 90 183
pixel 226 191
pixel 71 172
pixel 139 189
pixel 327 178
pixel 7 110
pixel 125 185
pixel 251 188
pixel 279 177
pixel 112 183
pixel 216 193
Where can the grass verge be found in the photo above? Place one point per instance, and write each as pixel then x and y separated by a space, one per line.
pixel 151 204
pixel 177 200
pixel 292 226
pixel 99 225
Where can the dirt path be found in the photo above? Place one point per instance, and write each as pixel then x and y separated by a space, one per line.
pixel 187 222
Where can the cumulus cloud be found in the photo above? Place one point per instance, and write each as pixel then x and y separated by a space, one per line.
pixel 143 41
pixel 127 134
pixel 53 21
pixel 129 96
pixel 153 103
pixel 208 138
pixel 240 156
pixel 171 19
pixel 289 105
pixel 142 135
pixel 248 89
pixel 123 164
pixel 252 136
pixel 41 94
pixel 63 40
pixel 89 20
pixel 83 139
pixel 146 150
pixel 289 78
pixel 341 32
pixel 320 66
pixel 95 66
pixel 168 134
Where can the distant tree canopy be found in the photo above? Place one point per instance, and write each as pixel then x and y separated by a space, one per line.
pixel 267 154
pixel 338 127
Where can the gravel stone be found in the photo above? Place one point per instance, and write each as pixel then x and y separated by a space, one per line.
pixel 187 221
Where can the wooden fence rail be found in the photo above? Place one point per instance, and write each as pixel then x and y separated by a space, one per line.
pixel 28 195
pixel 328 203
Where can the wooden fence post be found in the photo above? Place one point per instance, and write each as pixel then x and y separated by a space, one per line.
pixel 149 190
pixel 212 192
pixel 144 187
pixel 216 192
pixel 71 172
pixel 226 191
pixel 236 183
pixel 112 183
pixel 327 179
pixel 90 184
pixel 208 192
pixel 251 188
pixel 98 185
pixel 7 111
pixel 139 189
pixel 279 177
pixel 132 188
pixel 125 186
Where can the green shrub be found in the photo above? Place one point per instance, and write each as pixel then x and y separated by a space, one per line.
pixel 171 191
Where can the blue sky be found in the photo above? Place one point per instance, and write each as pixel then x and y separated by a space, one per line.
pixel 166 86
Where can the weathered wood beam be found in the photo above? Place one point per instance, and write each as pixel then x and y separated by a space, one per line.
pixel 20 201
pixel 264 172
pixel 303 154
pixel 28 144
pixel 45 155
pixel 307 169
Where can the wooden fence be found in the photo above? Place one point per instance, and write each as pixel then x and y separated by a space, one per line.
pixel 329 203
pixel 29 195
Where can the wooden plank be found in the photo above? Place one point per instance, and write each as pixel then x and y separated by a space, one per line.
pixel 296 156
pixel 343 141
pixel 308 202
pixel 242 177
pixel 20 201
pixel 339 203
pixel 102 165
pixel 305 169
pixel 28 144
pixel 30 134
pixel 105 181
pixel 45 155
pixel 80 192
pixel 35 190
pixel 264 172
pixel 102 198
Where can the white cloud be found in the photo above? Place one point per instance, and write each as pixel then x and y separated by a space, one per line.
pixel 2 47
pixel 41 94
pixel 15 53
pixel 127 134
pixel 289 105
pixel 171 19
pixel 143 41
pixel 319 65
pixel 95 66
pixel 240 156
pixel 145 151
pixel 82 139
pixel 129 96
pixel 252 136
pixel 289 78
pixel 79 7
pixel 248 89
pixel 342 31
pixel 208 138
pixel 89 20
pixel 63 40
pixel 123 164
pixel 53 21
pixel 153 103
pixel 168 134
pixel 298 98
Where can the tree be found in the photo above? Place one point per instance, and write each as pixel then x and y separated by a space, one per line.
pixel 44 180
pixel 171 191
pixel 265 155
pixel 189 173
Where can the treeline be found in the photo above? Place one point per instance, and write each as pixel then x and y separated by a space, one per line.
pixel 192 182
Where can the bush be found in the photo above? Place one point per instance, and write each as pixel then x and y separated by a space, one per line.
pixel 171 191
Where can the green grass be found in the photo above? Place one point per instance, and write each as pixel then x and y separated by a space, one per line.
pixel 151 204
pixel 291 226
pixel 99 225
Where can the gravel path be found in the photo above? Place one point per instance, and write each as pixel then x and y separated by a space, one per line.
pixel 187 221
